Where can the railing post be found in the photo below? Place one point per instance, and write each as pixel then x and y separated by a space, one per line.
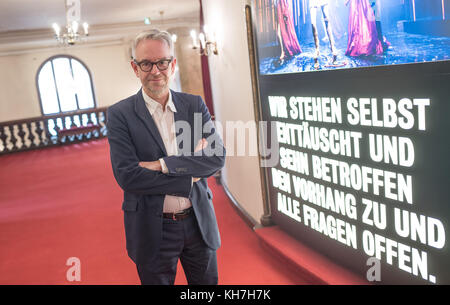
pixel 39 132
pixel 13 138
pixel 3 137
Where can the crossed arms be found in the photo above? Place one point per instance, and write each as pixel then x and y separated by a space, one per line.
pixel 161 166
pixel 145 176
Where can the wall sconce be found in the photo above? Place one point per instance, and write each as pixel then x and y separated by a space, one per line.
pixel 205 42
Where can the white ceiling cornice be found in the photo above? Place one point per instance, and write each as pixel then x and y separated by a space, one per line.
pixel 36 14
pixel 25 41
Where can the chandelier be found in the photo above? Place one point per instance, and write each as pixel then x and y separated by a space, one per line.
pixel 70 34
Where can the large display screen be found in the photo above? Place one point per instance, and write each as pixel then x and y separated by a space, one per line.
pixel 364 159
pixel 307 35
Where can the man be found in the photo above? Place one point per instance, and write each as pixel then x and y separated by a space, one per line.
pixel 323 6
pixel 167 205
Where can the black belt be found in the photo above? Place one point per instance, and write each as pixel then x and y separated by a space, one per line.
pixel 179 215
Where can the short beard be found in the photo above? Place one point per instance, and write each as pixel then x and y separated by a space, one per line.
pixel 157 92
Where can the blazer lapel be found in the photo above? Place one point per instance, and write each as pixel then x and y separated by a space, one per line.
pixel 143 113
pixel 182 114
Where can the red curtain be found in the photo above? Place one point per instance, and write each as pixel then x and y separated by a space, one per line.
pixel 205 72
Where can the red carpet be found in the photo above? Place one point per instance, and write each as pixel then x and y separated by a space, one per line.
pixel 63 202
pixel 313 266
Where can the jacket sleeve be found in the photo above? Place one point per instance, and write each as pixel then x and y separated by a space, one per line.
pixel 205 163
pixel 125 164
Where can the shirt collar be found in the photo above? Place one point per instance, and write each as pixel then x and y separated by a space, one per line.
pixel 152 105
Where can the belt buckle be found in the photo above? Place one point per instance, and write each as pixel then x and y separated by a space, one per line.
pixel 181 213
pixel 174 215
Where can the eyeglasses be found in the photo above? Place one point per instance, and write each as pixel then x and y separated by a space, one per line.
pixel 147 65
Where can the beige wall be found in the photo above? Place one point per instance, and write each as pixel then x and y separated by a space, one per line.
pixel 232 95
pixel 189 63
pixel 110 69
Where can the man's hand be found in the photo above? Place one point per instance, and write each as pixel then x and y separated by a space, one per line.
pixel 156 165
pixel 151 165
pixel 200 146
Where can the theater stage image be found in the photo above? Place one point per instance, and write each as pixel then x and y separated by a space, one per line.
pixel 363 33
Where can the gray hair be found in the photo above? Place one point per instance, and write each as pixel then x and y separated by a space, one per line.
pixel 153 34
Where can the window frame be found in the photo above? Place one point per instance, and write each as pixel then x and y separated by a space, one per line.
pixel 50 59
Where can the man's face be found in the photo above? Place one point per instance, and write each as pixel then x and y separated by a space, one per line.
pixel 154 82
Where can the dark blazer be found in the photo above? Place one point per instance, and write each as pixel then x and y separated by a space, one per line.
pixel 134 137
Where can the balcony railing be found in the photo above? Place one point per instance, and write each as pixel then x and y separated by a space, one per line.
pixel 52 130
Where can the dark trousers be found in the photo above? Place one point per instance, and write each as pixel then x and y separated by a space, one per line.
pixel 181 239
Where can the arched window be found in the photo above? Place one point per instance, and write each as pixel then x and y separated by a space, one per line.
pixel 64 84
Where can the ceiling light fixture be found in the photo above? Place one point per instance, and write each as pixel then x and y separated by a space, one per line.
pixel 70 34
